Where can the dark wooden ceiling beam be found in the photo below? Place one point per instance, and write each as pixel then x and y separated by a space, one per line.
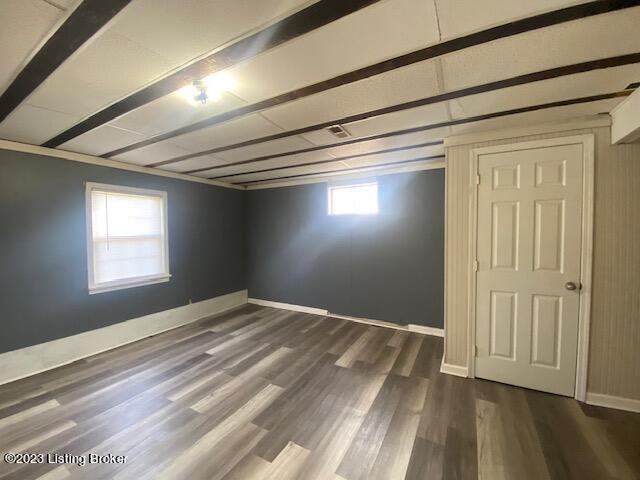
pixel 502 31
pixel 488 116
pixel 331 160
pixel 342 170
pixel 310 18
pixel 487 87
pixel 82 24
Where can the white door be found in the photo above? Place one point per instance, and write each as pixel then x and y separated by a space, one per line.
pixel 529 251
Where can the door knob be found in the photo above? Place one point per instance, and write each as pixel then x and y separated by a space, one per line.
pixel 571 286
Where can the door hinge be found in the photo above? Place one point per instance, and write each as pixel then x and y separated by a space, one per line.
pixel 476 265
pixel 475 350
pixel 478 179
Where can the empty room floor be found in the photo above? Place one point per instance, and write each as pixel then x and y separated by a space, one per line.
pixel 260 393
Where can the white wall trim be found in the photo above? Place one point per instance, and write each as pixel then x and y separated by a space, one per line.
pixel 586 267
pixel 369 321
pixel 367 173
pixel 504 134
pixel 130 282
pixel 433 331
pixel 457 370
pixel 288 306
pixel 588 143
pixel 437 332
pixel 625 124
pixel 45 356
pixel 423 329
pixel 610 401
pixel 93 160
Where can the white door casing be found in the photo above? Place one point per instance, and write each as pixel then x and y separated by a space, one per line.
pixel 530 219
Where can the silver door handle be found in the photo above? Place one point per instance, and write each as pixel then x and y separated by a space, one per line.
pixel 572 286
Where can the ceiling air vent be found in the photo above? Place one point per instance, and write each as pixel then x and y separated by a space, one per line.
pixel 633 86
pixel 338 131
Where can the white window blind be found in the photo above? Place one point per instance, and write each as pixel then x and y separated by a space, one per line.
pixel 357 199
pixel 128 239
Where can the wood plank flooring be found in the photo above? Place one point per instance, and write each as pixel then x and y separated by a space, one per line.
pixel 261 393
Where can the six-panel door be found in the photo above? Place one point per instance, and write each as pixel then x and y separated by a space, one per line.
pixel 529 247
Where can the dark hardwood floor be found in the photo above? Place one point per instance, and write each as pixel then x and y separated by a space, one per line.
pixel 260 393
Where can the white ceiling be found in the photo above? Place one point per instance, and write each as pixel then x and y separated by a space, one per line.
pixel 464 16
pixel 18 39
pixel 601 36
pixel 347 44
pixel 150 39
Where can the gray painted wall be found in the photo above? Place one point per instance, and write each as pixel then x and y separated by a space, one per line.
pixel 43 261
pixel 388 266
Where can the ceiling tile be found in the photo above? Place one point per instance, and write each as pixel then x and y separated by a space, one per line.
pixel 181 31
pixel 173 111
pixel 344 45
pixel 153 153
pixel 466 16
pixel 244 128
pixel 290 171
pixel 274 163
pixel 101 140
pixel 145 42
pixel 427 115
pixel 30 124
pixel 110 67
pixel 574 86
pixel 546 116
pixel 193 163
pixel 380 144
pixel 66 4
pixel 391 88
pixel 550 47
pixel 23 25
pixel 286 144
pixel 411 154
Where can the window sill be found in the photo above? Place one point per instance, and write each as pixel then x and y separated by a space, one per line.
pixel 134 282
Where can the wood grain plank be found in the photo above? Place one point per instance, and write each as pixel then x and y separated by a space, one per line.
pixel 407 358
pixel 349 357
pixel 276 404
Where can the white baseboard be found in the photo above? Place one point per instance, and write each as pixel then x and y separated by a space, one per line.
pixel 610 401
pixel 45 356
pixel 436 332
pixel 288 306
pixel 457 370
pixel 369 321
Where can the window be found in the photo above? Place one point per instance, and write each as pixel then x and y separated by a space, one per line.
pixel 126 237
pixel 355 199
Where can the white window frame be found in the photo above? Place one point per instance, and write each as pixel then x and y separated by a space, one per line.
pixel 132 281
pixel 340 185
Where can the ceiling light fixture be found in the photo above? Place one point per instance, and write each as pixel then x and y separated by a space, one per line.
pixel 200 92
pixel 208 88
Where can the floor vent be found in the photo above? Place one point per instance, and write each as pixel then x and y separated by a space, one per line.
pixel 338 131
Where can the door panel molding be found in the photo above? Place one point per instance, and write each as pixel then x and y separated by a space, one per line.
pixel 588 148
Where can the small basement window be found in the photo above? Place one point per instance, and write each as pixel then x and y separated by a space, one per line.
pixel 127 244
pixel 353 199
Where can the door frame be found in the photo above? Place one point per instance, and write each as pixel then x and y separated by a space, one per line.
pixel 584 315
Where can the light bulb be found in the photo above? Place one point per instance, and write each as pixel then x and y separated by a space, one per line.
pixel 220 81
pixel 189 93
pixel 213 87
